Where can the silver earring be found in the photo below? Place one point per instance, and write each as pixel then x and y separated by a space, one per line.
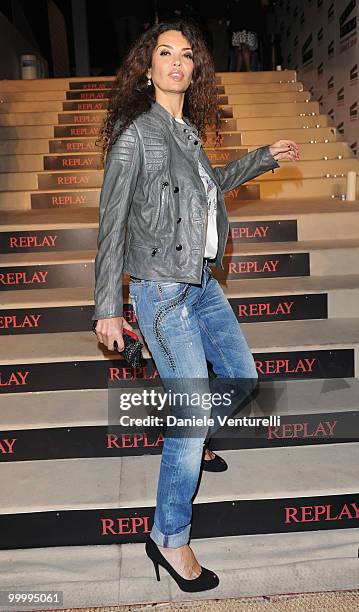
pixel 149 81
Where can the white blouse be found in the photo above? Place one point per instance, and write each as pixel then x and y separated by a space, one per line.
pixel 211 191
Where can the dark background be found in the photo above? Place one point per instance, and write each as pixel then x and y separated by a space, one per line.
pixel 101 28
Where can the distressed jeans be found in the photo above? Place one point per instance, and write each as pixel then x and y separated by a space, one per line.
pixel 184 326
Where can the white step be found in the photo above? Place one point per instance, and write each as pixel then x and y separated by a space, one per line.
pixel 248 566
pixel 48 101
pixel 304 188
pixel 343 293
pixel 282 336
pixel 25 132
pixel 317 219
pixel 289 170
pixel 36 106
pixel 327 257
pixel 241 88
pixel 268 109
pixel 47 409
pixel 258 76
pixel 61 84
pixel 29 96
pixel 298 134
pixel 270 97
pixel 288 473
pixel 16 154
pixel 39 96
pixel 239 110
pixel 21 132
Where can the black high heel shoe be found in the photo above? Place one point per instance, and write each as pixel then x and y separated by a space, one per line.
pixel 217 464
pixel 205 581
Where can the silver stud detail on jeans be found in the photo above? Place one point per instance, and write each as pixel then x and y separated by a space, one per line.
pixel 156 329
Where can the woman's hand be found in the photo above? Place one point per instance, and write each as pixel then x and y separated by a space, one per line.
pixel 285 150
pixel 109 330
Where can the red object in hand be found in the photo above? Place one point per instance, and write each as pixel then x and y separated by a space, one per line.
pixel 131 333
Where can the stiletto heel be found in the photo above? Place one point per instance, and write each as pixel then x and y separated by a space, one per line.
pixel 155 564
pixel 205 581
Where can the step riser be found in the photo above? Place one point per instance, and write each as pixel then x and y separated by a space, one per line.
pixel 313 151
pixel 78 198
pixel 319 226
pixel 210 520
pixel 80 118
pixel 40 96
pixel 312 363
pixel 92 160
pixel 286 177
pixel 41 163
pixel 303 188
pixel 248 310
pixel 22 200
pixel 258 123
pixel 77 83
pixel 316 226
pixel 272 264
pixel 97 441
pixel 85 105
pixel 61 180
pixel 280 398
pixel 93 83
pixel 321 262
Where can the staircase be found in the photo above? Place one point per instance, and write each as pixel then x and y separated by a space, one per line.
pixel 284 517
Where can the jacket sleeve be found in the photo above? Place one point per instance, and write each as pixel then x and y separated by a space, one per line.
pixel 119 182
pixel 250 166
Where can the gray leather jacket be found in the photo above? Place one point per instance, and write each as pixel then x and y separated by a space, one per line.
pixel 153 205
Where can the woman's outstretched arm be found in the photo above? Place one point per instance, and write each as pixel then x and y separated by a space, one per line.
pixel 255 163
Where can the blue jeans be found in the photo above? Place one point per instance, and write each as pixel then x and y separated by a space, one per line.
pixel 184 325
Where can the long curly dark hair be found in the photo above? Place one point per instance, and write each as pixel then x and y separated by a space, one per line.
pixel 130 95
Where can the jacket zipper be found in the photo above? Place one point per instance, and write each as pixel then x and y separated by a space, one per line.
pixel 163 186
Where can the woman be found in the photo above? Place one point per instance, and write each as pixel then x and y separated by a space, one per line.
pixel 157 223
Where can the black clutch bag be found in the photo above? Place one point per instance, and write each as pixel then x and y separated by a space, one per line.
pixel 132 351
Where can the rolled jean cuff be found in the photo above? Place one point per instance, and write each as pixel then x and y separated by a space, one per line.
pixel 172 540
